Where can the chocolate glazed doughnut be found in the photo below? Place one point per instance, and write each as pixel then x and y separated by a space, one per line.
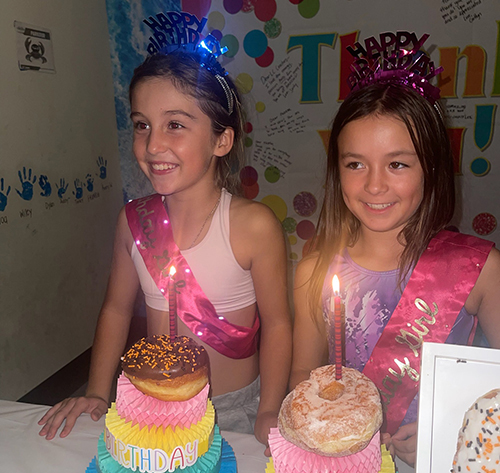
pixel 169 369
pixel 329 417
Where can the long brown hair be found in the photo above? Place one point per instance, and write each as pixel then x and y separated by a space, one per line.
pixel 338 227
pixel 185 72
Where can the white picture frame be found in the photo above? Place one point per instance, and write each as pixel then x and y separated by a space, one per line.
pixel 452 377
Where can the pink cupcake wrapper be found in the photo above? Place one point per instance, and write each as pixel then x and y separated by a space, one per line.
pixel 288 458
pixel 139 408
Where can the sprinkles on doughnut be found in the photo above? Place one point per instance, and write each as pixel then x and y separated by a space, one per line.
pixel 478 445
pixel 167 368
pixel 162 420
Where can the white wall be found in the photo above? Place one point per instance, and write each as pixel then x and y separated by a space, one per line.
pixel 54 260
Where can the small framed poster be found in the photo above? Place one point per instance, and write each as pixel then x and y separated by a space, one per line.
pixel 452 377
pixel 34 48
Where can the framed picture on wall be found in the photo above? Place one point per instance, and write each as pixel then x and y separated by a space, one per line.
pixel 452 378
pixel 34 48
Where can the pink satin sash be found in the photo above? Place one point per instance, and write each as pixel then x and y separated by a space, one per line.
pixel 152 232
pixel 436 292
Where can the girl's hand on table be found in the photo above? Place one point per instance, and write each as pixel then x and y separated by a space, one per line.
pixel 263 425
pixel 385 439
pixel 404 443
pixel 70 409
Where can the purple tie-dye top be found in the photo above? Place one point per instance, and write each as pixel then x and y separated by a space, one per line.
pixel 370 298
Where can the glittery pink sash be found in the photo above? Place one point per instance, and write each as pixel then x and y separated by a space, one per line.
pixel 436 292
pixel 152 232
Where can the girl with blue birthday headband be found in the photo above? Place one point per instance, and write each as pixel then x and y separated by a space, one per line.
pixel 404 279
pixel 228 252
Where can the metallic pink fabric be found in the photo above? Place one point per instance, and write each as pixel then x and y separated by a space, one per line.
pixel 152 232
pixel 434 295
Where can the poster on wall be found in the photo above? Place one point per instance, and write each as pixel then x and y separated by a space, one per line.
pixel 34 48
pixel 290 61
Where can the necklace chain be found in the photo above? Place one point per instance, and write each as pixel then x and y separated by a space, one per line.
pixel 205 222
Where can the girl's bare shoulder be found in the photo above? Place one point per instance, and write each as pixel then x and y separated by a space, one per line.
pixel 123 234
pixel 252 216
pixel 489 279
pixel 485 292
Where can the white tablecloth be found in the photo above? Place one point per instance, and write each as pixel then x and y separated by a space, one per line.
pixel 22 450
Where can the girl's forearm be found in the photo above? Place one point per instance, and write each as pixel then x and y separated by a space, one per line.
pixel 109 343
pixel 275 361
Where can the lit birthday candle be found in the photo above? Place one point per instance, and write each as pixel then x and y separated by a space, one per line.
pixel 336 310
pixel 172 303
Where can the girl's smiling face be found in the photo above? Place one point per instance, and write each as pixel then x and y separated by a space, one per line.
pixel 174 143
pixel 381 177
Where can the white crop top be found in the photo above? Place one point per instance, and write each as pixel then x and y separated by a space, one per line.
pixel 227 285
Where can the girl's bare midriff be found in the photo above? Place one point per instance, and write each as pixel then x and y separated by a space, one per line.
pixel 226 374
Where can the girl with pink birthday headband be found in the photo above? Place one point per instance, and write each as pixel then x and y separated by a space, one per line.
pixel 228 252
pixel 404 279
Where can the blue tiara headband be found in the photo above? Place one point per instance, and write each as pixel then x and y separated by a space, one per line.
pixel 395 58
pixel 181 31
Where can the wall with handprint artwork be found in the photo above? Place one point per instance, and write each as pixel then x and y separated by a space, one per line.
pixel 60 191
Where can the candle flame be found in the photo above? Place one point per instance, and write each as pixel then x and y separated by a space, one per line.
pixel 335 284
pixel 172 271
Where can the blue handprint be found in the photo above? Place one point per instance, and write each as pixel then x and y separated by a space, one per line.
pixel 61 188
pixel 78 192
pixel 44 183
pixel 102 163
pixel 27 183
pixel 3 196
pixel 90 183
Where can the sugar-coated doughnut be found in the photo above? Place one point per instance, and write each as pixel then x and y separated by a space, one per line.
pixel 167 368
pixel 478 445
pixel 329 417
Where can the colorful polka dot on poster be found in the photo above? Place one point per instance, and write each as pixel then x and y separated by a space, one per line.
pixel 265 9
pixel 248 6
pixel 272 174
pixel 252 191
pixel 248 127
pixel 294 256
pixel 484 223
pixel 217 34
pixel 248 176
pixel 255 43
pixel 266 59
pixel 233 6
pixel 231 43
pixel 292 239
pixel 272 28
pixel 277 205
pixel 216 21
pixel 248 142
pixel 289 225
pixel 305 229
pixel 200 8
pixel 305 204
pixel 260 107
pixel 309 8
pixel 480 167
pixel 296 2
pixel 244 82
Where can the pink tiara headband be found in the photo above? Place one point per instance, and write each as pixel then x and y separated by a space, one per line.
pixel 395 58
